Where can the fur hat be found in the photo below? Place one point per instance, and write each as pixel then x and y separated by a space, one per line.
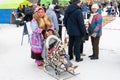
pixel 75 1
pixel 42 11
pixel 37 8
pixel 95 6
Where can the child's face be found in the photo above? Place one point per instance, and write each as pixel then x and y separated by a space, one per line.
pixel 94 10
pixel 48 33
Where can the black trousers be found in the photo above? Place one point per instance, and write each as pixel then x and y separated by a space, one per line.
pixel 74 46
pixel 95 46
pixel 60 31
pixel 81 48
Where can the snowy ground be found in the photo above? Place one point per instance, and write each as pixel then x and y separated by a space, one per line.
pixel 16 64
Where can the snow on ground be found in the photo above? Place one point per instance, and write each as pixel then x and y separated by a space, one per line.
pixel 16 64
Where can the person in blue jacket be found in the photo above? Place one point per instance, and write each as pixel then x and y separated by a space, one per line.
pixel 95 30
pixel 74 23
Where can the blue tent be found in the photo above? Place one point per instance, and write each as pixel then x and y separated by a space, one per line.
pixel 6 7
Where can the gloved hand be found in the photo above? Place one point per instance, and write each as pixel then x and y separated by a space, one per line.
pixel 83 39
pixel 94 35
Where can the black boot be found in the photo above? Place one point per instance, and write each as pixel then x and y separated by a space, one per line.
pixel 94 58
pixel 81 59
pixel 90 56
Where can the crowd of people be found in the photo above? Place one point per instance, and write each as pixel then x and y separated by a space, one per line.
pixel 80 20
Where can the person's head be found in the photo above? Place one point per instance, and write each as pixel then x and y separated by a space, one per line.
pixel 39 11
pixel 23 6
pixel 47 33
pixel 76 2
pixel 94 8
pixel 57 8
pixel 51 6
pixel 42 19
pixel 50 32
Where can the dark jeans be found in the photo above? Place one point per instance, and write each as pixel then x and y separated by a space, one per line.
pixel 81 48
pixel 95 46
pixel 60 31
pixel 74 46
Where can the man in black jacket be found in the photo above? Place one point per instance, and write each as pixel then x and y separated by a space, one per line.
pixel 74 24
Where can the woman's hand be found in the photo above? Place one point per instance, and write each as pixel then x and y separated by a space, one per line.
pixel 94 35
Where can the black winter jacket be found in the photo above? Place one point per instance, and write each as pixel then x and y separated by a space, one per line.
pixel 73 21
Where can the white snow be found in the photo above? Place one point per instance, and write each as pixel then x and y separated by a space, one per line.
pixel 16 63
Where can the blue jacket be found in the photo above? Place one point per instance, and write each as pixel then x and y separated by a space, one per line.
pixel 51 14
pixel 73 21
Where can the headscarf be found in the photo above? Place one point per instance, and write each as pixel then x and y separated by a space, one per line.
pixel 42 13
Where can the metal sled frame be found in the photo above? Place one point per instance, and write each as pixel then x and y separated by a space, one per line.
pixel 58 70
